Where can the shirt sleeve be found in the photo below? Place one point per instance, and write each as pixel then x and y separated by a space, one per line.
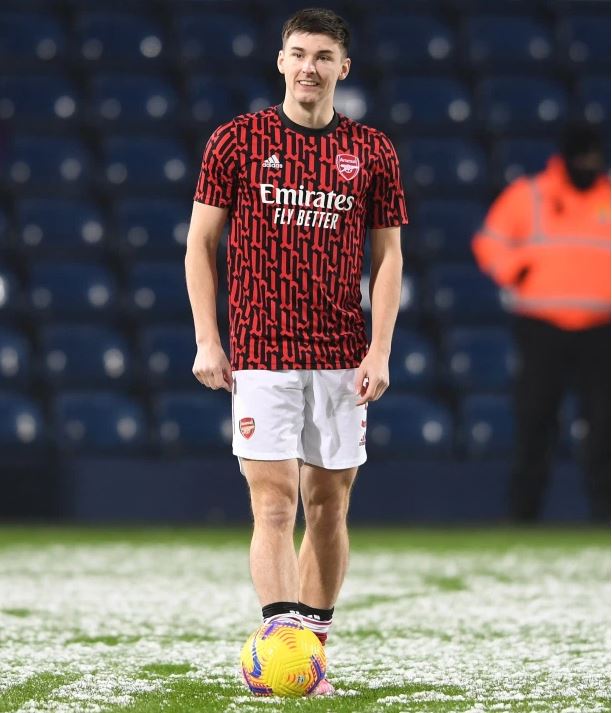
pixel 216 181
pixel 387 204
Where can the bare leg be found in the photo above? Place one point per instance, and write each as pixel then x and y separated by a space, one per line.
pixel 274 495
pixel 324 552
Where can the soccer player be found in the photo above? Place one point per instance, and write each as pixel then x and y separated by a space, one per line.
pixel 300 184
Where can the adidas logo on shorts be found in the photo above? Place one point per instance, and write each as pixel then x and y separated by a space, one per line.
pixel 272 162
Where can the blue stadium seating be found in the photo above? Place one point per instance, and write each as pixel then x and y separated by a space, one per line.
pixel 158 292
pixel 461 294
pixel 141 164
pixel 415 41
pixel 84 357
pixel 412 366
pixel 41 101
pixel 254 93
pixel 215 39
pixel 47 164
pixel 132 100
pixel 116 39
pixel 586 41
pixel 211 101
pixel 72 290
pixel 498 42
pixel 167 355
pixel 4 231
pixel 99 422
pixel 428 103
pixel 446 228
pixel 355 100
pixel 60 228
pixel 22 426
pixel 148 228
pixel 516 157
pixel 521 104
pixel 193 421
pixel 487 426
pixel 409 425
pixel 479 359
pixel 443 167
pixel 28 39
pixel 593 99
pixel 10 293
pixel 15 359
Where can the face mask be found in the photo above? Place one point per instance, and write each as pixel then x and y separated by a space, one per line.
pixel 581 178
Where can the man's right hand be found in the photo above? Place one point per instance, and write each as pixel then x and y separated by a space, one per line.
pixel 212 368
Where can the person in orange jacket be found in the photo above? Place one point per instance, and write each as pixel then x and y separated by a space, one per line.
pixel 546 240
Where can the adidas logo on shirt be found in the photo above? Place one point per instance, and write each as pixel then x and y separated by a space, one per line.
pixel 272 162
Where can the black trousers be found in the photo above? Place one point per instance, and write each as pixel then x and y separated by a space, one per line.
pixel 553 361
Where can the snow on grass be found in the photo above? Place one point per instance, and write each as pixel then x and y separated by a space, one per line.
pixel 525 629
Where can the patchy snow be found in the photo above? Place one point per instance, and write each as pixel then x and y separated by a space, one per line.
pixel 487 629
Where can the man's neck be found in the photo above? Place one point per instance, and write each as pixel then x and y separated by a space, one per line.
pixel 311 117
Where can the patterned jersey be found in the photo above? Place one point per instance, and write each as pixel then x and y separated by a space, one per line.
pixel 299 202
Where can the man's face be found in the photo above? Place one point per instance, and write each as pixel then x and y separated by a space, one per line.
pixel 312 64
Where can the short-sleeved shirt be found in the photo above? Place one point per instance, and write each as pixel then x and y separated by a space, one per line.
pixel 299 203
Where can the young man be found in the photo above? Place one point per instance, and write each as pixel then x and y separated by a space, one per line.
pixel 301 184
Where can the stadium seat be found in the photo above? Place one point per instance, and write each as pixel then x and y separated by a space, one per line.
pixel 71 290
pixel 214 40
pixel 512 158
pixel 193 422
pixel 60 228
pixel 510 42
pixel 157 292
pixel 15 359
pixel 404 40
pixel 211 101
pixel 410 426
pixel 167 355
pixel 412 365
pixel 453 167
pixel 254 94
pixel 521 104
pixel 84 357
pixel 28 39
pixel 132 100
pixel 585 41
pixel 487 426
pixel 99 422
pixel 22 425
pixel 592 99
pixel 479 359
pixel 446 227
pixel 461 294
pixel 115 39
pixel 38 101
pixel 4 231
pixel 10 293
pixel 47 164
pixel 356 100
pixel 133 164
pixel 428 104
pixel 148 228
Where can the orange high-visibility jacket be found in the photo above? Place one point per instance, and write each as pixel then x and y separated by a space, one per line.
pixel 558 238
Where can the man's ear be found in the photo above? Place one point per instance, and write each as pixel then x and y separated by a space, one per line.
pixel 280 61
pixel 345 69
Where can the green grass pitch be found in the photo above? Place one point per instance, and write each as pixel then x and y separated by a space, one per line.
pixel 147 621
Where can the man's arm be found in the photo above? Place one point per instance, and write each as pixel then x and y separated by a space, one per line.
pixel 211 366
pixel 385 292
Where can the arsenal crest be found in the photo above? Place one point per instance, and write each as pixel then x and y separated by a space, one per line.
pixel 347 165
pixel 247 426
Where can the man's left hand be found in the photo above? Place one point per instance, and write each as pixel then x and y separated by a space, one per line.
pixel 372 377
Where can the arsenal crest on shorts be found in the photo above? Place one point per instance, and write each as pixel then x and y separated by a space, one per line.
pixel 247 426
pixel 347 165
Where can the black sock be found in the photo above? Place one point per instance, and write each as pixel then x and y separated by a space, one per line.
pixel 279 608
pixel 319 614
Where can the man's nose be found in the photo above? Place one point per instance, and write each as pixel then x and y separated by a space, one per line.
pixel 308 66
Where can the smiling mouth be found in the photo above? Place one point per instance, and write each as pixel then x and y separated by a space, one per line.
pixel 307 83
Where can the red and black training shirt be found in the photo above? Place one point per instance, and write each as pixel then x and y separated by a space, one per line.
pixel 299 202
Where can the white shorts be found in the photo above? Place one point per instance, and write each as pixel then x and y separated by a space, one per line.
pixel 306 414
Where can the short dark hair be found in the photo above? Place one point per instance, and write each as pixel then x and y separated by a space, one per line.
pixel 319 21
pixel 579 138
